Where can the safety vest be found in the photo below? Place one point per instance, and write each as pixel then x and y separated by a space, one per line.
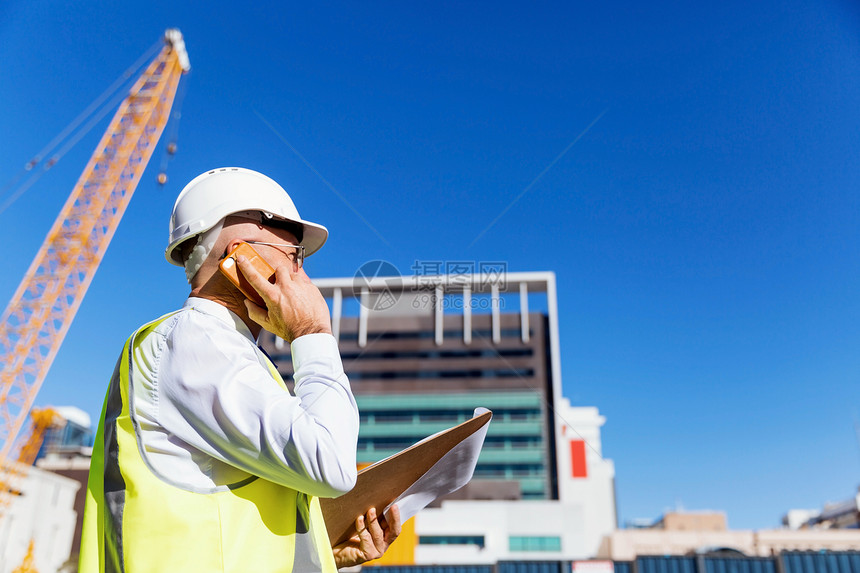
pixel 136 521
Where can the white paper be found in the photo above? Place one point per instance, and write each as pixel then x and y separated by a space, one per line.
pixel 450 473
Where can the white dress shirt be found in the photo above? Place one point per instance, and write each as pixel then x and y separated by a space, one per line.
pixel 209 413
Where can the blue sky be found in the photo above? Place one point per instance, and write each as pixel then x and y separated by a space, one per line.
pixel 704 229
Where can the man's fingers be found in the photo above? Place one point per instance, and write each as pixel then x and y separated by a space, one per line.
pixel 284 273
pixel 366 543
pixel 257 280
pixel 375 530
pixel 393 520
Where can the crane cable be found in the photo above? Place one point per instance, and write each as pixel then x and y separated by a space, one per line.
pixel 91 115
pixel 175 116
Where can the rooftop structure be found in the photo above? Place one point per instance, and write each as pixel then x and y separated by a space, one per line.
pixel 834 515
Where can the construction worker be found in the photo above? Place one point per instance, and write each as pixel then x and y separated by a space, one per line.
pixel 204 461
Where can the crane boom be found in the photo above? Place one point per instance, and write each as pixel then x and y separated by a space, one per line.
pixel 37 318
pixel 43 419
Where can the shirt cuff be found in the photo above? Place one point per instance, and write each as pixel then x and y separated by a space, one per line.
pixel 317 348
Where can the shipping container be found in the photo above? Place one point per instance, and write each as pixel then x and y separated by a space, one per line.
pixel 666 564
pixel 791 562
pixel 821 561
pixel 431 569
pixel 623 567
pixel 532 567
pixel 739 565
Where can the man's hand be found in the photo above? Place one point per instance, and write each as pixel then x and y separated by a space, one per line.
pixel 370 540
pixel 295 306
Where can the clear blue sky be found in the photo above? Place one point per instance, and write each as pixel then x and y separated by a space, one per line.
pixel 704 231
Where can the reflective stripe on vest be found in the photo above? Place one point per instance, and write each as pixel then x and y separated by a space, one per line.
pixel 136 520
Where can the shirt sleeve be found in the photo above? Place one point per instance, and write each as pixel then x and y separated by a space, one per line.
pixel 216 395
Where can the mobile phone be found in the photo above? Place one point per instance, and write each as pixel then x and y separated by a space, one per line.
pixel 230 269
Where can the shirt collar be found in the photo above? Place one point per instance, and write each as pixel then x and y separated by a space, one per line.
pixel 221 312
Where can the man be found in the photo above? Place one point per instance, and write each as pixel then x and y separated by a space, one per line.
pixel 203 460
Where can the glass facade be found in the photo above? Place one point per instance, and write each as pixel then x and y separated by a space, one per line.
pixel 452 540
pixel 69 438
pixel 534 543
pixel 513 450
pixel 410 384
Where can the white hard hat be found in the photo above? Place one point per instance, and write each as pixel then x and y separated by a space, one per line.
pixel 216 194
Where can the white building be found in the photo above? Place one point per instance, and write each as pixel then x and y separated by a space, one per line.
pixel 834 515
pixel 44 513
pixel 570 528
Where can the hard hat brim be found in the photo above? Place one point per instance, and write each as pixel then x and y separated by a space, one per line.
pixel 314 237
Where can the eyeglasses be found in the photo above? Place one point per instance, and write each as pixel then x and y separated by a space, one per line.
pixel 295 253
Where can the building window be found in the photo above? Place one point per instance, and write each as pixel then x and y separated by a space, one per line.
pixel 369 444
pixel 394 417
pixel 438 354
pixel 434 374
pixel 489 473
pixel 534 543
pixel 452 540
pixel 430 334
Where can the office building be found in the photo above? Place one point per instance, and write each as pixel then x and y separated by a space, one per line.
pixel 422 352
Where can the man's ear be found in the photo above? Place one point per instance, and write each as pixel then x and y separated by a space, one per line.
pixel 231 246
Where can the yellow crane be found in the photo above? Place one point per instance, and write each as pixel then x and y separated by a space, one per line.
pixel 40 312
pixel 42 419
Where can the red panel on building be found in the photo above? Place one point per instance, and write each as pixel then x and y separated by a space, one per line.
pixel 578 466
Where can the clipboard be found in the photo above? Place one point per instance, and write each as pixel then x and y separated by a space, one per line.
pixel 382 483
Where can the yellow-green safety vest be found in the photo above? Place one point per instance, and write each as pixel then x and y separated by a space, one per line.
pixel 136 520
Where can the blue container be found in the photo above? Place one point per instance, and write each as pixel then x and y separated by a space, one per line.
pixel 666 564
pixel 739 565
pixel 432 569
pixel 821 561
pixel 532 567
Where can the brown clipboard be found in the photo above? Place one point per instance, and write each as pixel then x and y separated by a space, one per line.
pixel 380 484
